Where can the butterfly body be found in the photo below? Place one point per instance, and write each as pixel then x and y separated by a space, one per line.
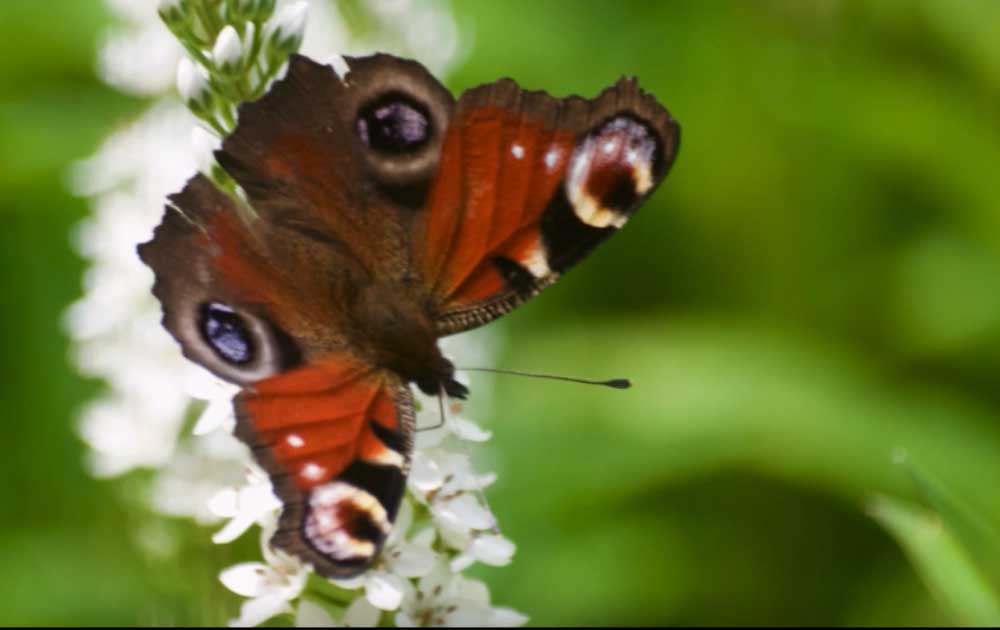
pixel 386 216
pixel 396 322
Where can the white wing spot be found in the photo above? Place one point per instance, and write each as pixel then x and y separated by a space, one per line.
pixel 552 157
pixel 312 471
pixel 517 151
pixel 295 440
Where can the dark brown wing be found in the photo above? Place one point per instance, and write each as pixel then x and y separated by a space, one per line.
pixel 528 185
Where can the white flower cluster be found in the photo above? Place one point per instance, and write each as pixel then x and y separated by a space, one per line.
pixel 442 528
pixel 152 393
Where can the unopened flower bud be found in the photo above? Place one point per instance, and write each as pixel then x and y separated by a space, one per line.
pixel 228 51
pixel 192 83
pixel 173 12
pixel 288 27
pixel 263 10
pixel 248 37
pixel 241 8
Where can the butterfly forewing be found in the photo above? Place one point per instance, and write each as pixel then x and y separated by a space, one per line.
pixel 530 184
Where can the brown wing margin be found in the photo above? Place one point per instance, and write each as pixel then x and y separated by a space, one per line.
pixel 335 438
pixel 528 184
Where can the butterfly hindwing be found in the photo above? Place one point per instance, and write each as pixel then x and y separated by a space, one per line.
pixel 528 185
pixel 335 437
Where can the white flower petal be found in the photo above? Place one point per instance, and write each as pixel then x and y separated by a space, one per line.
pixel 467 615
pixel 506 618
pixel 425 475
pixel 473 591
pixel 455 536
pixel 361 614
pixel 436 581
pixel 493 549
pixel 410 560
pixel 404 518
pixel 462 561
pixel 256 611
pixel 425 537
pixel 464 510
pixel 258 499
pixel 384 590
pixel 352 583
pixel 430 438
pixel 224 503
pixel 312 615
pixel 233 529
pixel 469 431
pixel 248 579
pixel 213 417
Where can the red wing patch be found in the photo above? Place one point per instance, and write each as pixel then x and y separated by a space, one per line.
pixel 335 436
pixel 506 167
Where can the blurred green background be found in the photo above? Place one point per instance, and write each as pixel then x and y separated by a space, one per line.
pixel 813 289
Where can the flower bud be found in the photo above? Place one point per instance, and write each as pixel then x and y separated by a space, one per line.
pixel 263 10
pixel 173 12
pixel 241 8
pixel 248 37
pixel 228 51
pixel 288 27
pixel 192 83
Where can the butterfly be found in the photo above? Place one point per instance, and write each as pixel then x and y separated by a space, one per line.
pixel 386 215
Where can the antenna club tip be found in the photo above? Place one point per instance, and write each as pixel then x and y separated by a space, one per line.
pixel 620 383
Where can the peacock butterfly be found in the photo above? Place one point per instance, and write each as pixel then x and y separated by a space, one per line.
pixel 386 215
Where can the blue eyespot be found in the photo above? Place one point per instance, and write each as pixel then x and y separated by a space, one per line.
pixel 227 333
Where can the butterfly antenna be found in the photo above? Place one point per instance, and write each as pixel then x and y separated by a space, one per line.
pixel 616 383
pixel 480 495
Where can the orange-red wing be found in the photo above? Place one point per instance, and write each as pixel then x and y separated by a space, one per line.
pixel 335 437
pixel 527 184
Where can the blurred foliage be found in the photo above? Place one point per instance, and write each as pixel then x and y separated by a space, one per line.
pixel 812 290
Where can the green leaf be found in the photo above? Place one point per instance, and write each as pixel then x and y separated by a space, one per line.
pixel 940 559
pixel 977 535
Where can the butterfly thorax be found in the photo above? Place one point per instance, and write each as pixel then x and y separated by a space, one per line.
pixel 397 329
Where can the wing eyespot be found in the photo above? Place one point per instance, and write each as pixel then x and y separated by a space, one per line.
pixel 398 113
pixel 226 332
pixel 611 171
pixel 234 342
pixel 394 124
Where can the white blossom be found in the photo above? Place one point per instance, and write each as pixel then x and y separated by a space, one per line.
pixel 244 506
pixel 445 599
pixel 359 614
pixel 270 586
